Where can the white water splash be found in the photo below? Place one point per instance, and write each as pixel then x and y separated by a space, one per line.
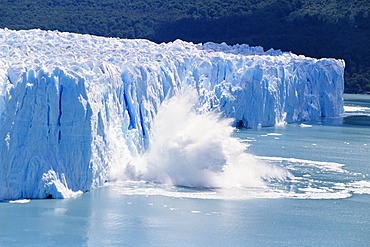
pixel 197 150
pixel 311 180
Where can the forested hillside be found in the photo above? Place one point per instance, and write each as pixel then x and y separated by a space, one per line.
pixel 317 28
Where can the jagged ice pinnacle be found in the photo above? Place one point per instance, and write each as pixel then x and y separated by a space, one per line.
pixel 73 106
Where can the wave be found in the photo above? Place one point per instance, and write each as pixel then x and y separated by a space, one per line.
pixel 309 180
pixel 356 109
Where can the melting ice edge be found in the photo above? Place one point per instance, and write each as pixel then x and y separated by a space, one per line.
pixel 77 109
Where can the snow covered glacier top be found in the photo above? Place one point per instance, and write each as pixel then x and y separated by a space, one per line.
pixel 73 105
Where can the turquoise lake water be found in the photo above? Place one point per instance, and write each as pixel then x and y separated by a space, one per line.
pixel 326 202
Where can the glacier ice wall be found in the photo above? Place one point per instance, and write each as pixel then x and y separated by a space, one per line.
pixel 73 105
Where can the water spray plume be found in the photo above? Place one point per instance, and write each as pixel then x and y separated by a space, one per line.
pixel 197 150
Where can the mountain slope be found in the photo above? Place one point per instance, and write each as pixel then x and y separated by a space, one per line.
pixel 317 28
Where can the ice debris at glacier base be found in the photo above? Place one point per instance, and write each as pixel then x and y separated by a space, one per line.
pixel 73 105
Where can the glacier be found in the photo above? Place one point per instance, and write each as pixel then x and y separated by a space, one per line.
pixel 75 107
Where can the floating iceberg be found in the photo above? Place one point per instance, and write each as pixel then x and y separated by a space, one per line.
pixel 73 107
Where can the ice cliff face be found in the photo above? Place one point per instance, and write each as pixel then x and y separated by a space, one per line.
pixel 73 105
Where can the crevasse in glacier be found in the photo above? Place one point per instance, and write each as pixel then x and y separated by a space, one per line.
pixel 73 105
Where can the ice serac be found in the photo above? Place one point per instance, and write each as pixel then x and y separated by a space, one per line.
pixel 76 107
